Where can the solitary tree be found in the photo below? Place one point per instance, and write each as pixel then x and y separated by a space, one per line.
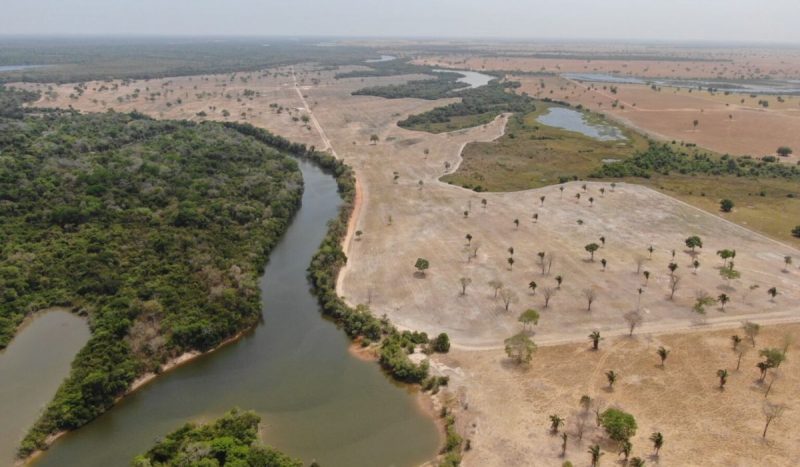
pixel 787 261
pixel 548 294
pixel 650 250
pixel 663 353
pixel 516 223
pixel 496 285
pixel 751 330
pixel 520 348
pixel 726 205
pixel 532 285
pixel 773 292
pixel 595 338
pixel 559 280
pixel 784 151
pixel 604 263
pixel 723 299
pixel 464 281
pixel 483 203
pixel 508 296
pixel 646 277
pixel 611 376
pixel 658 441
pixel 541 200
pixel 634 319
pixel 590 294
pixel 595 453
pixel 672 267
pixel 374 139
pixel 422 265
pixel 674 283
pixel 694 242
pixel 528 317
pixel 555 423
pixel 771 412
pixel 723 378
pixel 469 239
pixel 619 425
pixel 591 248
pixel 695 265
pixel 510 263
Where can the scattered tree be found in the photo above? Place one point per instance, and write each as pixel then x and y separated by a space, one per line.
pixel 674 283
pixel 595 453
pixel 520 348
pixel 496 285
pixel 634 319
pixel 528 317
pixel 595 338
pixel 532 285
pixel 723 299
pixel 611 376
pixel 422 265
pixel 751 330
pixel 548 293
pixel 694 242
pixel 555 423
pixel 723 378
pixel 773 292
pixel 619 425
pixel 590 294
pixel 663 353
pixel 726 205
pixel 559 279
pixel 771 412
pixel 658 441
pixel 508 296
pixel 591 248
pixel 464 281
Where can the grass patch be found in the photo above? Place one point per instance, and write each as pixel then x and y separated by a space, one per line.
pixel 532 155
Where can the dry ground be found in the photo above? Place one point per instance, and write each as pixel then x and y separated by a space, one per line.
pixel 427 221
pixel 667 62
pixel 508 406
pixel 725 123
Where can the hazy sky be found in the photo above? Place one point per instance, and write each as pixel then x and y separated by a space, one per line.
pixel 716 20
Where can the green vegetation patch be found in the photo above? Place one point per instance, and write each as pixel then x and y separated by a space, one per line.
pixel 532 154
pixel 155 230
pixel 230 441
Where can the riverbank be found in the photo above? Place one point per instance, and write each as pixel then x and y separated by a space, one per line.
pixel 138 384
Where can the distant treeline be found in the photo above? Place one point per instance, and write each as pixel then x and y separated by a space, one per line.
pixel 662 159
pixel 157 231
pixel 76 59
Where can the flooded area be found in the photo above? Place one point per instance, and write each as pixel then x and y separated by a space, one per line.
pixel 572 120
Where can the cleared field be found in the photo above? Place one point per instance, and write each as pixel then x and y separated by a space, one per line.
pixel 734 124
pixel 507 416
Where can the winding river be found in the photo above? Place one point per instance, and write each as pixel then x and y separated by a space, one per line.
pixel 31 369
pixel 317 401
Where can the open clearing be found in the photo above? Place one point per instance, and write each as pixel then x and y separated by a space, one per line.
pixel 406 213
pixel 508 406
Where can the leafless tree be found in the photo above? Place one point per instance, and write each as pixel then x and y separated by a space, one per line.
pixel 634 319
pixel 771 412
pixel 550 259
pixel 496 285
pixel 508 296
pixel 548 293
pixel 590 294
pixel 674 283
pixel 774 375
pixel 464 281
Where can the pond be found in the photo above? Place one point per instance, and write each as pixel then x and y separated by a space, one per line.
pixel 384 58
pixel 573 120
pixel 31 369
pixel 316 400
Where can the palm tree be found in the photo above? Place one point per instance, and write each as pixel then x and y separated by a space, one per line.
pixel 650 250
pixel 469 239
pixel 594 451
pixel 723 378
pixel 723 299
pixel 663 354
pixel 637 462
pixel 658 440
pixel 555 423
pixel 625 449
pixel 773 292
pixel 532 285
pixel 736 341
pixel 510 263
pixel 559 280
pixel 595 338
pixel 541 200
pixel 646 277
pixel 611 376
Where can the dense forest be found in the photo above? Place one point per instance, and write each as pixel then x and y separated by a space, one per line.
pixel 230 441
pixel 74 59
pixel 661 158
pixel 155 230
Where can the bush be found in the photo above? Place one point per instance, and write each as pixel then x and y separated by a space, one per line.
pixel 441 344
pixel 619 425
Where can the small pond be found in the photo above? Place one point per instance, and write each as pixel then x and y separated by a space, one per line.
pixel 572 120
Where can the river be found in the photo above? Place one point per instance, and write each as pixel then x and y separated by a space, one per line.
pixel 317 401
pixel 31 369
